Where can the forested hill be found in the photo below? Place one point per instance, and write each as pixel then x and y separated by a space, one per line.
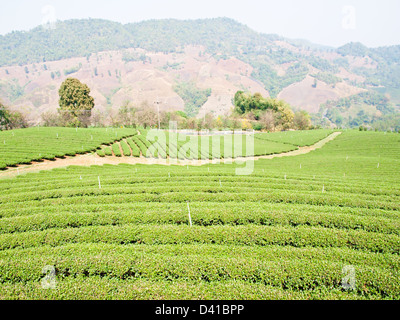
pixel 80 38
pixel 307 75
pixel 75 38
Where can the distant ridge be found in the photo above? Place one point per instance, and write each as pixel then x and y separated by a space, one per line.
pixel 352 84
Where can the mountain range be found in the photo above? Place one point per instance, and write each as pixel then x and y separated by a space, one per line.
pixel 196 66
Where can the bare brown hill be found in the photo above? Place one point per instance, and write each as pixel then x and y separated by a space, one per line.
pixel 114 81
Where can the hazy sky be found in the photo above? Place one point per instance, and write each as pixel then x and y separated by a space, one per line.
pixel 330 22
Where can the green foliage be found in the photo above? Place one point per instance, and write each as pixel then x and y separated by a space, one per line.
pixel 134 56
pixel 11 120
pixel 272 234
pixel 150 152
pixel 390 54
pixel 218 147
pixel 116 150
pixel 193 97
pixel 79 38
pixel 72 70
pixel 134 147
pixel 387 72
pixel 369 98
pixel 182 114
pixel 389 122
pixel 100 153
pixel 322 64
pixel 334 115
pixel 33 144
pixel 174 66
pixel 221 38
pixel 328 78
pixel 274 83
pixel 75 101
pixel 356 49
pixel 107 151
pixel 84 37
pixel 141 145
pixel 12 89
pixel 296 138
pixel 125 149
pixel 302 120
pixel 335 110
pixel 4 117
pixel 342 62
pixel 246 103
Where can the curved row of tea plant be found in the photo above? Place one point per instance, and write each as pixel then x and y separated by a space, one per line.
pixel 287 231
pixel 182 147
pixel 34 144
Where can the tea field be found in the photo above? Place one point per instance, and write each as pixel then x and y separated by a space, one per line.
pixel 290 230
pixel 180 146
pixel 34 144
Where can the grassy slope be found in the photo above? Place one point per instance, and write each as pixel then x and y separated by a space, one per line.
pixel 273 234
pixel 228 146
pixel 26 145
pixel 298 138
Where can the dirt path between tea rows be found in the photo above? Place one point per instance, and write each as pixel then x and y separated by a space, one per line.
pixel 94 159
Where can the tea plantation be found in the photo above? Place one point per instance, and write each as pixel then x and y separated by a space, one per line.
pixel 34 144
pixel 290 230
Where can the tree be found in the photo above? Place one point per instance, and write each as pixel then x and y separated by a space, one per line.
pixel 314 85
pixel 268 120
pixel 76 104
pixel 235 123
pixel 246 125
pixel 284 118
pixel 126 115
pixel 182 114
pixel 302 120
pixel 18 120
pixel 246 103
pixel 242 102
pixel 4 117
pixel 50 119
pixel 191 124
pixel 11 120
pixel 146 116
pixel 208 121
pixel 219 124
pixel 97 119
pixel 179 117
pixel 165 118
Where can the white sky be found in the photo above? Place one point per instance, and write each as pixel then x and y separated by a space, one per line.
pixel 329 22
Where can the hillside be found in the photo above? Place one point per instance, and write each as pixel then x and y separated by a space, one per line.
pixel 146 61
pixel 24 146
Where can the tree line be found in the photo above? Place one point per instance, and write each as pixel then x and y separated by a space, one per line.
pixel 11 119
pixel 251 112
pixel 269 114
